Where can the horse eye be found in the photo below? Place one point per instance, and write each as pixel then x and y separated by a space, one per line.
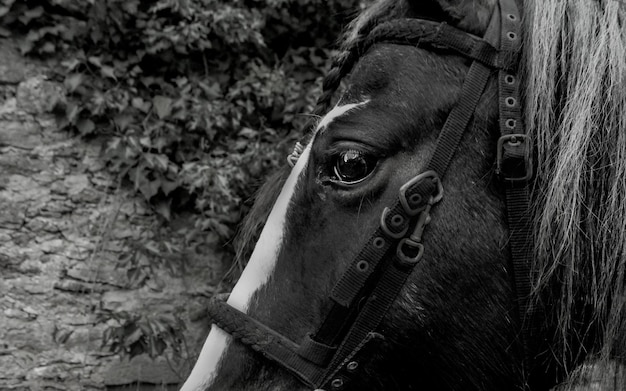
pixel 352 166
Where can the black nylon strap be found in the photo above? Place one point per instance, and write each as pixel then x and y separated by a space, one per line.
pixel 316 352
pixel 520 242
pixel 459 118
pixel 515 169
pixel 354 372
pixel 520 238
pixel 389 285
pixel 355 281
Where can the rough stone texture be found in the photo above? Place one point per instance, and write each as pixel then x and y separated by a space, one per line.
pixel 64 225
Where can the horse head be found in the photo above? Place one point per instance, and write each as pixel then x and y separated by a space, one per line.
pixel 366 218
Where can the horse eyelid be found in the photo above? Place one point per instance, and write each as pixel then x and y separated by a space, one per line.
pixel 338 147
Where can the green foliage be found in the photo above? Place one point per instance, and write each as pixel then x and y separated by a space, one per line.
pixel 135 334
pixel 197 99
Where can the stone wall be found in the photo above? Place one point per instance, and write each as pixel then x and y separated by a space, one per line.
pixel 64 225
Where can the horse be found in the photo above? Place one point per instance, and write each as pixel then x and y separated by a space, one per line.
pixel 384 263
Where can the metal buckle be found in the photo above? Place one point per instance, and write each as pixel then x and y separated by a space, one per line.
pixel 413 256
pixel 519 150
pixel 416 180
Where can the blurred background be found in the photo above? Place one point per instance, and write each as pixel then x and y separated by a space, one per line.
pixel 133 135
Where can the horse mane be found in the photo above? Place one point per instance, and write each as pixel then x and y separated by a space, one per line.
pixel 574 67
pixel 575 109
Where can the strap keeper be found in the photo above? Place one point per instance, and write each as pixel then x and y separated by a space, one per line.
pixel 315 352
pixel 514 159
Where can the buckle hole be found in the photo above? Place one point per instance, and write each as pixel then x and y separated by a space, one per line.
pixel 336 383
pixel 397 220
pixel 379 242
pixel 415 198
pixel 510 123
pixel 362 266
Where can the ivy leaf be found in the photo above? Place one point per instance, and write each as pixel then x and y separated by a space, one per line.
pixel 248 133
pixel 73 81
pixel 123 121
pixel 26 46
pixel 97 61
pixel 162 106
pixel 135 276
pixel 163 209
pixel 71 64
pixel 157 348
pixel 161 160
pixel 132 334
pixel 139 104
pixel 168 186
pixel 4 10
pixel 108 71
pixel 47 48
pixel 29 15
pixel 71 113
pixel 85 126
pixel 149 188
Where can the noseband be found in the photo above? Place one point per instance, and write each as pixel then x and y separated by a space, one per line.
pixel 334 356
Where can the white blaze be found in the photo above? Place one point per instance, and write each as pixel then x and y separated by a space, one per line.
pixel 336 112
pixel 259 268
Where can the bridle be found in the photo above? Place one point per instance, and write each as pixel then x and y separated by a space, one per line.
pixel 334 356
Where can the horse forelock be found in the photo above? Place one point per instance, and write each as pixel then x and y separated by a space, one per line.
pixel 575 75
